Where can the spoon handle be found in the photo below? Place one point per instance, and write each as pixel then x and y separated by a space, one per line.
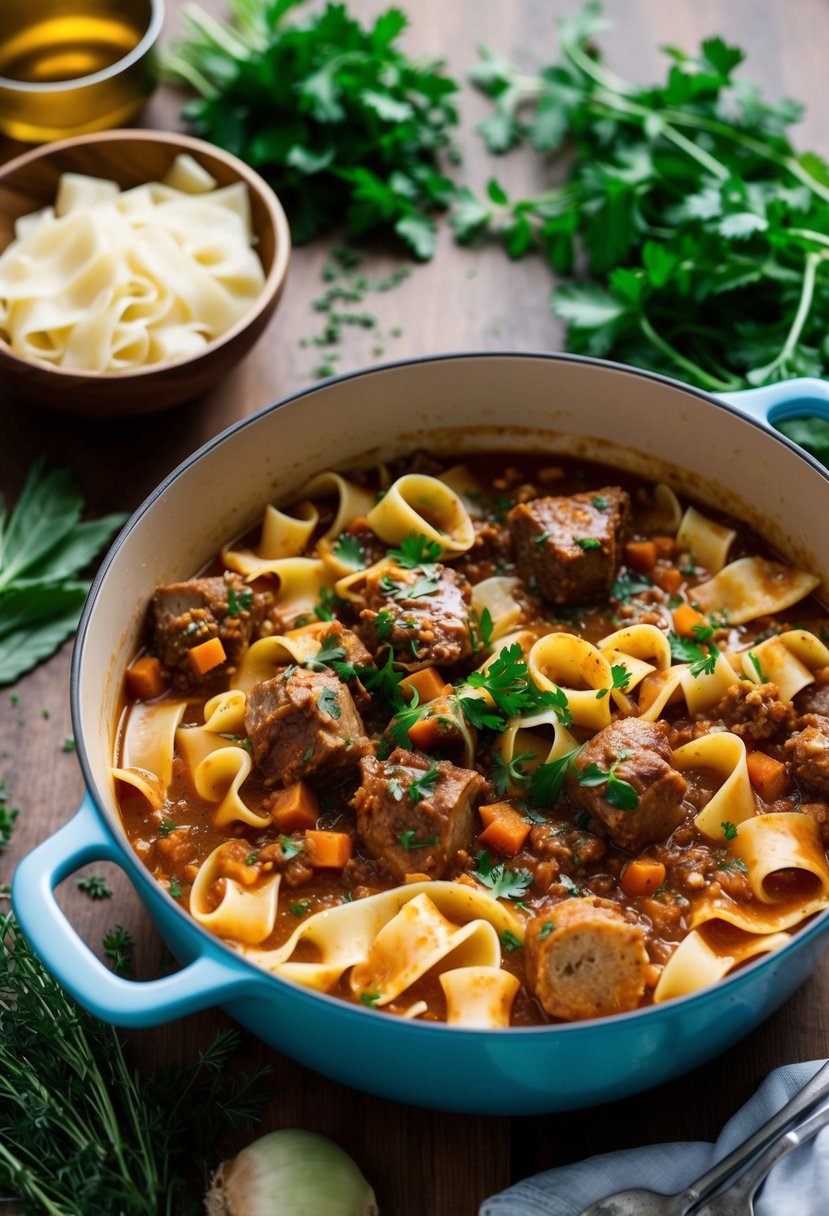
pixel 811 1093
pixel 736 1200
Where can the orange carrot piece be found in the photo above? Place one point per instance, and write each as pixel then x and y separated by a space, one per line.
pixel 424 733
pixel 768 776
pixel 669 579
pixel 145 678
pixel 665 546
pixel 328 850
pixel 295 809
pixel 416 876
pixel 685 618
pixel 207 655
pixel 640 555
pixel 642 876
pixel 427 683
pixel 506 829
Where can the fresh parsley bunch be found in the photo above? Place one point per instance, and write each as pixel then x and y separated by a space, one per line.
pixel 705 234
pixel 43 546
pixel 340 121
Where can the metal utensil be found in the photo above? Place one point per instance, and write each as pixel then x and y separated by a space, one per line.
pixel 641 1202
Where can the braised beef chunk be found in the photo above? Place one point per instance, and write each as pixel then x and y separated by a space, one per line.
pixel 814 698
pixel 423 614
pixel 808 752
pixel 753 711
pixel 304 724
pixel 639 755
pixel 184 615
pixel 354 654
pixel 570 548
pixel 414 814
pixel 584 960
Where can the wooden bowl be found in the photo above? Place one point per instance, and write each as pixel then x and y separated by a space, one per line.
pixel 131 157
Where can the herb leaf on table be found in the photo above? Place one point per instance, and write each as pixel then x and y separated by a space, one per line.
pixel 42 547
pixel 702 229
pixel 341 122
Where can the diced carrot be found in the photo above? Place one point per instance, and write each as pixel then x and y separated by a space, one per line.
pixel 417 877
pixel 145 678
pixel 506 829
pixel 641 555
pixel 427 683
pixel 669 579
pixel 328 850
pixel 295 809
pixel 642 876
pixel 685 618
pixel 424 733
pixel 665 545
pixel 768 776
pixel 207 655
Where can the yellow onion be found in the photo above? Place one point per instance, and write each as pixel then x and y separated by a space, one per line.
pixel 290 1173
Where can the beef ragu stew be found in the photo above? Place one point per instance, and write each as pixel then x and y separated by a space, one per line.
pixel 514 741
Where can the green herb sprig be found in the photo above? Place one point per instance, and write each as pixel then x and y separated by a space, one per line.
pixel 339 120
pixel 704 230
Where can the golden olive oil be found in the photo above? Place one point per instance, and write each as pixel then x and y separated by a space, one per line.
pixel 67 47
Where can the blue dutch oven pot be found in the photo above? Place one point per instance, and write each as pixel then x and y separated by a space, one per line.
pixel 723 450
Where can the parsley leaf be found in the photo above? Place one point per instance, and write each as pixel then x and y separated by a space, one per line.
pixel 236 604
pixel 618 793
pixel 416 550
pixel 628 585
pixel 504 883
pixel 507 681
pixel 349 550
pixel 683 650
pixel 423 786
pixel 329 703
pixel 620 678
pixel 548 779
pixel 409 840
pixel 587 542
pixel 506 774
pixel 383 624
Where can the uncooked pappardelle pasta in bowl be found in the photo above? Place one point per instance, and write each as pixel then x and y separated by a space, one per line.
pixel 478 720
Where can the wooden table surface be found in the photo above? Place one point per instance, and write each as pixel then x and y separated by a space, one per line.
pixel 419 1161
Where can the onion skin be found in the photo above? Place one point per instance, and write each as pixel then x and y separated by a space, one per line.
pixel 290 1173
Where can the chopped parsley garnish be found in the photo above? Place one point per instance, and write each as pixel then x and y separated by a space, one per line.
pixel 416 550
pixel 409 840
pixel 423 786
pixel 504 883
pixel 330 655
pixel 300 907
pixel 167 826
pixel 601 504
pixel 370 998
pixel 329 704
pixel 729 830
pixel 238 603
pixel 620 794
pixel 733 863
pixel 175 888
pixel 509 941
pixel 118 946
pixel 486 625
pixel 545 930
pixel 252 858
pixel 328 604
pixel 541 540
pixel 628 585
pixel 507 681
pixel 384 683
pixel 383 624
pixel 755 663
pixel 290 848
pixel 506 773
pixel 566 881
pixel 95 886
pixel 68 744
pixel 389 586
pixel 703 633
pixel 404 719
pixel 548 779
pixel 620 678
pixel 396 789
pixel 425 584
pixel 683 650
pixel 478 714
pixel 349 551
pixel 587 542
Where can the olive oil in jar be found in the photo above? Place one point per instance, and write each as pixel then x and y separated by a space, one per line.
pixel 55 48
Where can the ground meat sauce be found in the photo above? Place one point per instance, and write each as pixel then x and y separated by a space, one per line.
pixel 590 555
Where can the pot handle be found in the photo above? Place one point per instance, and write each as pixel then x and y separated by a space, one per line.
pixel 806 397
pixel 208 980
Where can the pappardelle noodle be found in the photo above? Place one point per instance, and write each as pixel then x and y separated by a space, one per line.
pixel 502 742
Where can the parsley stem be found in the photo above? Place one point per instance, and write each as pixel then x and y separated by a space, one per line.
pixel 807 234
pixel 804 307
pixel 717 386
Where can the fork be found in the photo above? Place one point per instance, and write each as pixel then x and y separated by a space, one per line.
pixel 778 1136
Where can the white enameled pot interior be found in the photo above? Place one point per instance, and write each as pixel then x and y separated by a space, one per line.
pixel 454 405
